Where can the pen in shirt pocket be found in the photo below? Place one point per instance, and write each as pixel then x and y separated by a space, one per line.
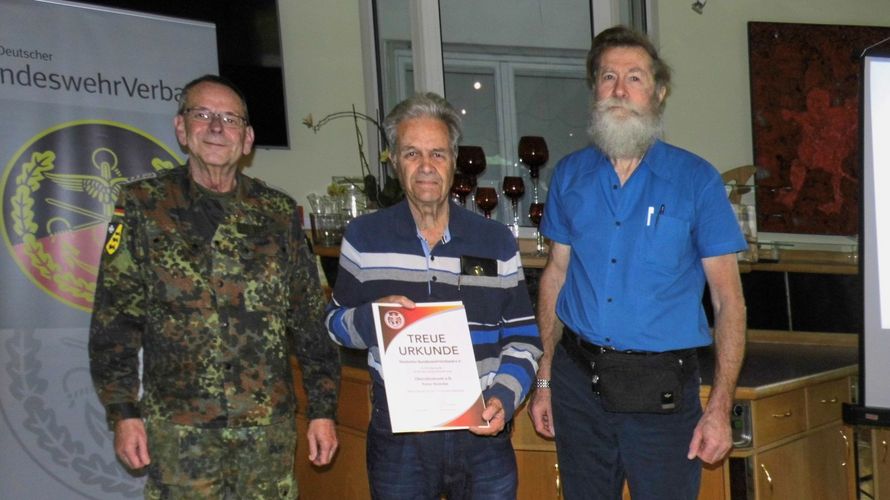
pixel 660 212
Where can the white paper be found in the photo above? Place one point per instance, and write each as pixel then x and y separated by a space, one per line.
pixel 429 368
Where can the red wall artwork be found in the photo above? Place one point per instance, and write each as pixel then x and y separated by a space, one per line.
pixel 805 124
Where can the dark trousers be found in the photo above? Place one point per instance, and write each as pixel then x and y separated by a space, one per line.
pixel 425 465
pixel 598 450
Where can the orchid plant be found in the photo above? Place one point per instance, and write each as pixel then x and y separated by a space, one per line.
pixel 382 188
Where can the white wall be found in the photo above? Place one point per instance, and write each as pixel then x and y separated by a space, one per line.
pixel 709 111
pixel 322 54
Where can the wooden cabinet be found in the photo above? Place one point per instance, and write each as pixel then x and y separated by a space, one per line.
pixel 538 475
pixel 816 466
pixel 345 478
pixel 778 416
pixel 880 462
pixel 801 448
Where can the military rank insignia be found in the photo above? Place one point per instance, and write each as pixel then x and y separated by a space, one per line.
pixel 113 239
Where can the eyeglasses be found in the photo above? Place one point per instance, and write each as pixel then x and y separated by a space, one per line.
pixel 228 120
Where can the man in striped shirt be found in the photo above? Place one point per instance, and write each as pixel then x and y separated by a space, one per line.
pixel 428 249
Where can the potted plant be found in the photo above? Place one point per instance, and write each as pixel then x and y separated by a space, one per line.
pixel 382 189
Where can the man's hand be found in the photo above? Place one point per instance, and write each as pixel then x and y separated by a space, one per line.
pixel 540 410
pixel 397 299
pixel 131 443
pixel 712 438
pixel 494 414
pixel 322 436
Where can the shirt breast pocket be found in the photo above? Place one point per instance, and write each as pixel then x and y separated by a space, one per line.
pixel 667 244
pixel 264 261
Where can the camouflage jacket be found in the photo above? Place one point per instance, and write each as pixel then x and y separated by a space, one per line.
pixel 217 318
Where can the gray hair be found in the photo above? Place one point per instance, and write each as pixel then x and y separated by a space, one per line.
pixel 219 80
pixel 622 36
pixel 427 105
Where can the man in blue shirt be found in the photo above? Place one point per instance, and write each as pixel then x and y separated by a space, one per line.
pixel 428 249
pixel 637 228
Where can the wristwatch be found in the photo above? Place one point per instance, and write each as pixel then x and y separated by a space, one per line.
pixel 542 383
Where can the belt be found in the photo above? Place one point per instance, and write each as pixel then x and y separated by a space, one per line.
pixel 573 342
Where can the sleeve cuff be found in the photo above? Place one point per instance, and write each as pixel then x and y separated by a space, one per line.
pixel 506 396
pixel 120 411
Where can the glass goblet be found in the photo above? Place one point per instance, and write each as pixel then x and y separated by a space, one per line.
pixel 535 214
pixel 470 161
pixel 534 154
pixel 486 200
pixel 461 187
pixel 514 188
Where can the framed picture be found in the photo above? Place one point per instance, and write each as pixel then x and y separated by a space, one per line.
pixel 805 124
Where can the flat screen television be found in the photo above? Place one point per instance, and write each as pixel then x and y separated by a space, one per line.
pixel 248 38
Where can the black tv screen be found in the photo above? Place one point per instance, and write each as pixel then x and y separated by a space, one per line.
pixel 248 40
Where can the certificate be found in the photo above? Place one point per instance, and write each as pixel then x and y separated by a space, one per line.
pixel 429 369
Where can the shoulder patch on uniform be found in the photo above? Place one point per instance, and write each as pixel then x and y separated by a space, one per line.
pixel 113 237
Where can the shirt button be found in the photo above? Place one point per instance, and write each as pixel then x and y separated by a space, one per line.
pixel 432 257
pixel 614 186
pixel 614 261
pixel 617 222
pixel 609 299
pixel 435 279
pixel 608 339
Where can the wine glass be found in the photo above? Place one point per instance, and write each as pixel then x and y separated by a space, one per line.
pixel 534 154
pixel 514 188
pixel 535 214
pixel 470 161
pixel 461 187
pixel 486 200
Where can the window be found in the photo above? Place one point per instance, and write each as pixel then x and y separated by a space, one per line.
pixel 512 68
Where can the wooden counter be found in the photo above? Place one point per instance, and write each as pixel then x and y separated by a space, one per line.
pixel 790 260
pixel 795 383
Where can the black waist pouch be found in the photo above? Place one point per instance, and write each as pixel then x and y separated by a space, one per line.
pixel 634 383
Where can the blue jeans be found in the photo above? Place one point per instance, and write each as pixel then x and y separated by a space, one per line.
pixel 423 466
pixel 598 450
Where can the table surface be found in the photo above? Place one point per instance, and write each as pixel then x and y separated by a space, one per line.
pixel 771 368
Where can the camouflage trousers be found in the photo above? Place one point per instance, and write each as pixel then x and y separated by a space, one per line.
pixel 244 463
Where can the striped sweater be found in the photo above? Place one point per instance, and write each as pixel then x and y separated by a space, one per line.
pixel 382 255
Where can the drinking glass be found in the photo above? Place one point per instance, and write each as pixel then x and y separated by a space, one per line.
pixel 534 154
pixel 486 200
pixel 461 187
pixel 535 214
pixel 514 188
pixel 470 162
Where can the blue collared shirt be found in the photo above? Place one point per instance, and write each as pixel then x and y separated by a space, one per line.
pixel 635 279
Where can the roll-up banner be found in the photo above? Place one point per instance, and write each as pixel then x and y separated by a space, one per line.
pixel 87 96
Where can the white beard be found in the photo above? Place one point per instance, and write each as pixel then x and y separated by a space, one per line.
pixel 627 136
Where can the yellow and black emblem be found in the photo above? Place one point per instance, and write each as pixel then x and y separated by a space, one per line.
pixel 115 230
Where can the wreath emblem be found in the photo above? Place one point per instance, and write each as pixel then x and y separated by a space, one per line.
pixel 59 193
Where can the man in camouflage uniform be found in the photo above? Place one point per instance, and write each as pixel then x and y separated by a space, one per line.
pixel 207 272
